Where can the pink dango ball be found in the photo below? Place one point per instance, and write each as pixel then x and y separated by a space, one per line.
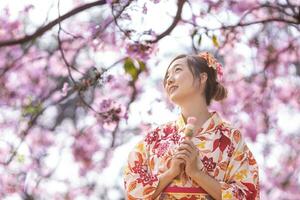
pixel 189 128
pixel 191 120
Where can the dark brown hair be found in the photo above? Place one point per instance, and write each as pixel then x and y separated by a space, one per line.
pixel 197 65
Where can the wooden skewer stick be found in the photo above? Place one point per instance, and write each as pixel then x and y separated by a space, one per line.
pixel 188 133
pixel 189 127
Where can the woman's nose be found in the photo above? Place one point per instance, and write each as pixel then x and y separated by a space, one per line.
pixel 170 80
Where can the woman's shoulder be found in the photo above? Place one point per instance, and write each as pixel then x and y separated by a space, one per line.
pixel 231 131
pixel 161 129
pixel 158 131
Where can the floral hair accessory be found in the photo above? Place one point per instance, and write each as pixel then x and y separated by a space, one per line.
pixel 212 62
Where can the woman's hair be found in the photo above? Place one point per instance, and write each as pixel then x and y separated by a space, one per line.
pixel 197 65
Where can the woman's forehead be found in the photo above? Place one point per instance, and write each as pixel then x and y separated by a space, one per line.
pixel 178 62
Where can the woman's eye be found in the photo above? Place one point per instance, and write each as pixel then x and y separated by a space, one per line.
pixel 177 69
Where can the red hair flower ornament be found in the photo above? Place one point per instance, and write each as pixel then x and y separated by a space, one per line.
pixel 212 62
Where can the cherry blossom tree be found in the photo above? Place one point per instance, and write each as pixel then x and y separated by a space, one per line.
pixel 69 84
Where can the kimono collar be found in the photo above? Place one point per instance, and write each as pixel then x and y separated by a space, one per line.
pixel 208 125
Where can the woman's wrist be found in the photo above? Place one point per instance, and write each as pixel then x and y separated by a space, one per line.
pixel 164 180
pixel 208 183
pixel 195 174
pixel 170 174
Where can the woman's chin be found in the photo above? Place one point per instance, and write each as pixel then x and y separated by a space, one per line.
pixel 174 97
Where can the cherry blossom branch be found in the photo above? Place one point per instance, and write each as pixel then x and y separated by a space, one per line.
pixel 177 18
pixel 257 22
pixel 9 66
pixel 93 82
pixel 33 120
pixel 115 17
pixel 60 47
pixel 132 99
pixel 295 23
pixel 51 24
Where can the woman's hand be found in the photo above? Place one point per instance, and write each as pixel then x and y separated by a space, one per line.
pixel 188 152
pixel 176 166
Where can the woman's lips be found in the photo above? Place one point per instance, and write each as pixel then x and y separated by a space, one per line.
pixel 173 89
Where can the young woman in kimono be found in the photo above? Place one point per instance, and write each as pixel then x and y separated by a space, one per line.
pixel 214 164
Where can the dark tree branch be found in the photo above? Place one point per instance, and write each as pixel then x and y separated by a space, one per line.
pixel 61 48
pixel 118 15
pixel 50 25
pixel 259 22
pixel 177 18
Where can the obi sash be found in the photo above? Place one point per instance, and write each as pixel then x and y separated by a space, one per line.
pixel 188 190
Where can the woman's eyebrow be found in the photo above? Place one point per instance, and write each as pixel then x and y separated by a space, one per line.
pixel 172 68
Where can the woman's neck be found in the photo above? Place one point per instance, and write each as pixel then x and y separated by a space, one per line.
pixel 200 113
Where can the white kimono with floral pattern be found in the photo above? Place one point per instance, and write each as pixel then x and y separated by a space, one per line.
pixel 223 155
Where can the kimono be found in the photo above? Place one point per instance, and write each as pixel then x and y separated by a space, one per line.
pixel 223 154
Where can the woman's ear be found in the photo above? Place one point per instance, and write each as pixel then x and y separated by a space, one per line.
pixel 203 78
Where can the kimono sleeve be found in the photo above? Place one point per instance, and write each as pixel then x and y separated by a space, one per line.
pixel 139 182
pixel 241 177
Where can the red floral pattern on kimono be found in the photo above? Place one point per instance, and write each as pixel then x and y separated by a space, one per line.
pixel 223 154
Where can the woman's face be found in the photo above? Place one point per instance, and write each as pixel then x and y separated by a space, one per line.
pixel 179 82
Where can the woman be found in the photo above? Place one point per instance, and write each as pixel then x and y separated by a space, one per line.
pixel 214 164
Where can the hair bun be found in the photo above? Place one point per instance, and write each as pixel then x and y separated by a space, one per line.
pixel 221 92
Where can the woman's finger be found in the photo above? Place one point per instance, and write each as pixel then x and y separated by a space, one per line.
pixel 185 147
pixel 189 143
pixel 184 152
pixel 193 151
pixel 178 159
pixel 184 157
